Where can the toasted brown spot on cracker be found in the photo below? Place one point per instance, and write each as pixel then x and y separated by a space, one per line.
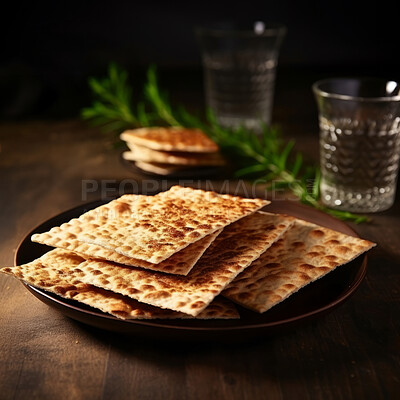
pixel 121 207
pixel 317 233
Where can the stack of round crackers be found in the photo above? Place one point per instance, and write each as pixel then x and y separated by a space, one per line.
pixel 171 150
pixel 184 253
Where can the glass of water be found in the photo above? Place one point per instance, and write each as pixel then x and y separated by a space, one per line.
pixel 239 71
pixel 359 122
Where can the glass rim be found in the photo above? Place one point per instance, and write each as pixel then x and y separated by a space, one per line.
pixel 270 29
pixel 332 95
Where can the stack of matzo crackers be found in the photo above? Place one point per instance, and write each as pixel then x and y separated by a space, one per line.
pixel 166 151
pixel 182 254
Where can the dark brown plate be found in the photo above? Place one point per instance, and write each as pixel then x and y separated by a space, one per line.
pixel 312 301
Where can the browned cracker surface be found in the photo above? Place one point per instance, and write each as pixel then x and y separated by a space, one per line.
pixel 305 253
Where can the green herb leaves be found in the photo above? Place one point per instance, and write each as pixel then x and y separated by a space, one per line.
pixel 262 158
pixel 112 107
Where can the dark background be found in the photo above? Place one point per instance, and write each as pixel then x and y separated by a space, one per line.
pixel 50 48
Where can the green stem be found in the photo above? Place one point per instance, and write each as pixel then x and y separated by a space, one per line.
pixel 265 156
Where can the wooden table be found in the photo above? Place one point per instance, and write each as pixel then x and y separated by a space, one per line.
pixel 353 352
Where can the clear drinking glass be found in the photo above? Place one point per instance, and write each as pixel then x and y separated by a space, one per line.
pixel 359 122
pixel 239 71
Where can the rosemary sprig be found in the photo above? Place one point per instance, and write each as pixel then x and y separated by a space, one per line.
pixel 112 107
pixel 262 158
pixel 157 99
pixel 268 159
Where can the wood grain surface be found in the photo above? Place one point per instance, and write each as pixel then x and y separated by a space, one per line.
pixel 47 167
